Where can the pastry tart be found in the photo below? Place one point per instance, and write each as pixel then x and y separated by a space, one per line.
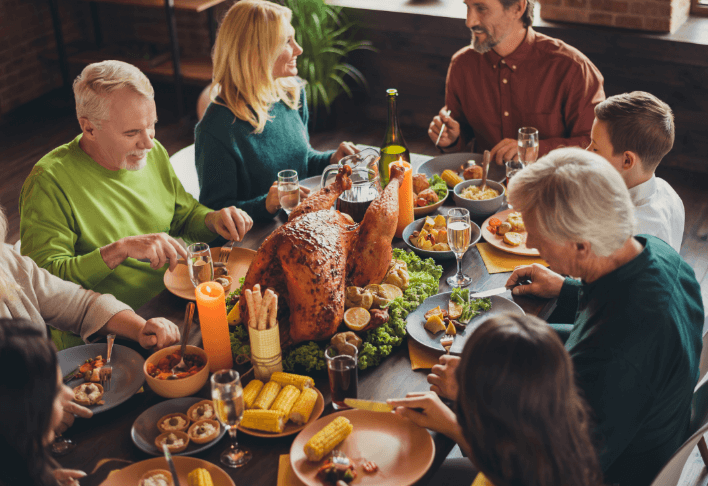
pixel 204 431
pixel 156 477
pixel 176 441
pixel 88 394
pixel 172 422
pixel 201 410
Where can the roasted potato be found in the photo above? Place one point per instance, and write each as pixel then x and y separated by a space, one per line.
pixel 379 293
pixel 358 297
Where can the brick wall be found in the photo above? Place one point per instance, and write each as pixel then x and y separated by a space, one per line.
pixel 651 15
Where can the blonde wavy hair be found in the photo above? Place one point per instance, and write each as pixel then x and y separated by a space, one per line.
pixel 100 79
pixel 250 39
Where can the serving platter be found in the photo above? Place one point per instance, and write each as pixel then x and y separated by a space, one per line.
pixel 497 241
pixel 183 465
pixel 437 255
pixel 416 320
pixel 290 427
pixel 438 164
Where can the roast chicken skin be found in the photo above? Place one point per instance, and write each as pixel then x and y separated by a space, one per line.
pixel 311 259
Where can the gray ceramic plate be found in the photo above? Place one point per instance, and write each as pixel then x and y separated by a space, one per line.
pixel 438 255
pixel 127 378
pixel 145 431
pixel 312 183
pixel 416 320
pixel 453 162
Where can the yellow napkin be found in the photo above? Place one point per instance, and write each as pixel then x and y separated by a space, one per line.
pixel 481 480
pixel 421 357
pixel 498 261
pixel 286 475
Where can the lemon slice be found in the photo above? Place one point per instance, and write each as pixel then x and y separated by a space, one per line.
pixel 357 318
pixel 392 291
pixel 234 316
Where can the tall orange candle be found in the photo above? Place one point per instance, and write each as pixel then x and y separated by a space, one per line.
pixel 405 197
pixel 211 304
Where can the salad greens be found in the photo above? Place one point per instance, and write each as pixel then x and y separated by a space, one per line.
pixel 438 185
pixel 471 309
pixel 232 298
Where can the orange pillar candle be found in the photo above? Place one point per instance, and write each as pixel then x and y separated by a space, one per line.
pixel 405 197
pixel 211 304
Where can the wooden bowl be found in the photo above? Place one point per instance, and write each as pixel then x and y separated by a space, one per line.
pixel 181 387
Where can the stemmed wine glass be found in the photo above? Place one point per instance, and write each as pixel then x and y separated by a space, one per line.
pixel 459 233
pixel 288 190
pixel 227 393
pixel 201 266
pixel 528 145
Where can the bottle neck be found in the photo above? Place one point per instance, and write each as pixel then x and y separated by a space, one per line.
pixel 393 132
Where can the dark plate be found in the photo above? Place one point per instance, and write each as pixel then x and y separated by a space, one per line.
pixel 128 375
pixel 437 165
pixel 145 431
pixel 438 255
pixel 416 320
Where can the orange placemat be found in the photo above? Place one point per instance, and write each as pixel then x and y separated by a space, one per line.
pixel 498 261
pixel 421 357
pixel 286 475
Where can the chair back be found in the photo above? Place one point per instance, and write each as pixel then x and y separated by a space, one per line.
pixel 671 473
pixel 703 362
pixel 186 170
pixel 699 405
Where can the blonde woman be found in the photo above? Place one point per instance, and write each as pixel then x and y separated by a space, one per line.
pixel 256 124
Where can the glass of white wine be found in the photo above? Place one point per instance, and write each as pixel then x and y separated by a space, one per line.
pixel 459 233
pixel 227 393
pixel 527 145
pixel 288 190
pixel 201 266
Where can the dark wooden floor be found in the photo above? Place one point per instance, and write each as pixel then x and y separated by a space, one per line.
pixel 36 128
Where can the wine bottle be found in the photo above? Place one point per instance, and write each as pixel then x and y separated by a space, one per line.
pixel 393 147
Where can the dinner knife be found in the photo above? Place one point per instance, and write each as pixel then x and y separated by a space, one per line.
pixel 489 293
pixel 170 462
pixel 369 405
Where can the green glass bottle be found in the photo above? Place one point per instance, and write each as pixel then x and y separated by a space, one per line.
pixel 393 147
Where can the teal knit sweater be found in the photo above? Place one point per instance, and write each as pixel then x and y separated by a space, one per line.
pixel 237 167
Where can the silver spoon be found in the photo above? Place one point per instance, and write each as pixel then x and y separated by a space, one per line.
pixel 485 168
pixel 188 315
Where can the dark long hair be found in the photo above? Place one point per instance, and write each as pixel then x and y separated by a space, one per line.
pixel 519 407
pixel 28 387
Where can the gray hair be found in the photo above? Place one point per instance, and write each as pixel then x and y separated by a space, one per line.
pixel 575 196
pixel 98 80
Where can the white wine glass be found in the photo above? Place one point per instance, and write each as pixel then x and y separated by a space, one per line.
pixel 459 234
pixel 288 190
pixel 513 167
pixel 527 145
pixel 201 266
pixel 227 393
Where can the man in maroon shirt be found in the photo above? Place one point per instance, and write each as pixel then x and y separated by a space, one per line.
pixel 511 77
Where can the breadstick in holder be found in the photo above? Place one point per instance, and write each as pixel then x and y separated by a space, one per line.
pixel 266 354
pixel 265 308
pixel 257 298
pixel 251 308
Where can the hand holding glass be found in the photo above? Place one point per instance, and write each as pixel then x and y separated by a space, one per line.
pixel 288 190
pixel 528 145
pixel 459 234
pixel 201 266
pixel 227 393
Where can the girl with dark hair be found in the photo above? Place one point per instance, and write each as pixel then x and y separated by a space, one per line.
pixel 30 407
pixel 518 415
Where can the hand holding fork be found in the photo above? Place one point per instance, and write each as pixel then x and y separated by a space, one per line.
pixel 225 251
pixel 106 372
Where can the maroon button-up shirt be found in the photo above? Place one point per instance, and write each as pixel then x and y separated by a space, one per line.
pixel 544 83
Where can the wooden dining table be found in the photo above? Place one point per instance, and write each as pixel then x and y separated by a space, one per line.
pixel 107 435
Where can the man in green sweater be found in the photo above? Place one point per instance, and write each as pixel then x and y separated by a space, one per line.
pixel 91 208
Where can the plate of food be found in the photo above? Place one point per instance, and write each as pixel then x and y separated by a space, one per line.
pixel 383 449
pixel 428 237
pixel 187 425
pixel 179 283
pixel 506 231
pixel 136 473
pixel 452 308
pixel 84 362
pixel 430 193
pixel 457 164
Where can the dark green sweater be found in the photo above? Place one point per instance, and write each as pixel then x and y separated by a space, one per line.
pixel 237 167
pixel 636 345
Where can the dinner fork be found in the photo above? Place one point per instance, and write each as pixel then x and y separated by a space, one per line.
pixel 446 342
pixel 225 252
pixel 107 369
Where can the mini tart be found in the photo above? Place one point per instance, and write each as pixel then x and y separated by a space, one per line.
pixel 88 394
pixel 181 426
pixel 207 405
pixel 144 480
pixel 202 438
pixel 178 437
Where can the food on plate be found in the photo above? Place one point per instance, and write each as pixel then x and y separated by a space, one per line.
pixel 475 193
pixel 156 477
pixel 328 438
pixel 433 235
pixel 251 392
pixel 428 191
pixel 200 477
pixel 175 441
pixel 202 410
pixel 357 318
pixel 392 291
pixel 504 228
pixel 88 394
pixel 426 198
pixel 451 178
pixel 451 330
pixel 358 297
pixel 516 222
pixel 341 342
pixel 369 467
pixel 220 272
pixel 397 275
pixel 224 282
pixel 454 309
pixel 420 183
pixel 172 422
pixel 163 369
pixel 204 431
pixel 433 311
pixel 265 420
pixel 379 294
pixel 513 239
pixel 378 317
pixel 234 315
pixel 90 370
pixel 286 399
pixel 471 307
pixel 337 470
pixel 302 409
pixel 267 395
pixel 300 381
pixel 494 224
pixel 473 172
pixel 435 324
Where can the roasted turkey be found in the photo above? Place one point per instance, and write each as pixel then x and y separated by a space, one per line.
pixel 311 259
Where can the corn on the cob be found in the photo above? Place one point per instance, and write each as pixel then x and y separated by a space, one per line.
pixel 267 396
pixel 300 381
pixel 250 393
pixel 266 420
pixel 200 477
pixel 327 439
pixel 286 399
pixel 451 178
pixel 300 413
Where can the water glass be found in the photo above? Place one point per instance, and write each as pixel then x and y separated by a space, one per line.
pixel 512 167
pixel 459 234
pixel 227 393
pixel 343 375
pixel 288 190
pixel 201 266
pixel 528 145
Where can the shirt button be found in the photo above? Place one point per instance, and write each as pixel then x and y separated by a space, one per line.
pixel 506 113
pixel 503 61
pixel 513 67
pixel 504 81
pixel 494 66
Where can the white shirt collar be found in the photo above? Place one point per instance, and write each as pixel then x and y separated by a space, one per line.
pixel 643 191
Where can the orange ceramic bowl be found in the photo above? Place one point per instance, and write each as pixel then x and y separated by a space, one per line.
pixel 181 387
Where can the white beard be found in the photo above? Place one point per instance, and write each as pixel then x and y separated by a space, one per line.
pixel 137 165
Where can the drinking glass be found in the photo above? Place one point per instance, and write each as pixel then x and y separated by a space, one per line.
pixel 62 445
pixel 343 376
pixel 201 267
pixel 459 233
pixel 227 393
pixel 512 167
pixel 288 190
pixel 528 145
